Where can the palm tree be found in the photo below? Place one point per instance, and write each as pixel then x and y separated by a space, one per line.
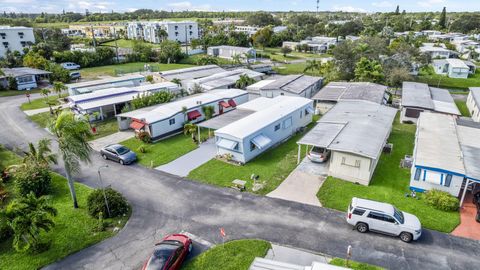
pixel 177 81
pixel 72 136
pixel 312 65
pixel 237 59
pixel 45 92
pixel 40 155
pixel 59 87
pixel 191 129
pixel 207 60
pixel 244 81
pixel 26 217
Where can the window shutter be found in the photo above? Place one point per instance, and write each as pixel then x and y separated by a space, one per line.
pixel 417 174
pixel 448 180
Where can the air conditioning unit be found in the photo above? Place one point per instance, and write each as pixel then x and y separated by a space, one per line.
pixel 388 148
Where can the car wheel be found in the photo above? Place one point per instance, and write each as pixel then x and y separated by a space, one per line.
pixel 121 162
pixel 362 227
pixel 406 237
pixel 104 156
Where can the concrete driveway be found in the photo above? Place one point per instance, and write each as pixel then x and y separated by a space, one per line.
pixel 163 203
pixel 303 183
pixel 116 137
pixel 183 165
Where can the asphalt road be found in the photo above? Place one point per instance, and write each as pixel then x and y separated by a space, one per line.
pixel 165 204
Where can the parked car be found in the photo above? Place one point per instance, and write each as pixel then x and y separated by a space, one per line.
pixel 70 66
pixel 367 215
pixel 170 253
pixel 318 154
pixel 75 75
pixel 119 153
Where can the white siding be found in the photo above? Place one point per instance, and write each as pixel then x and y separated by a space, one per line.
pixel 350 167
pixel 12 39
pixel 431 180
pixel 473 108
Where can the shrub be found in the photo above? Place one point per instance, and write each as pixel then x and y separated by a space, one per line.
pixel 5 230
pixel 441 200
pixel 142 149
pixel 116 202
pixel 144 137
pixel 32 178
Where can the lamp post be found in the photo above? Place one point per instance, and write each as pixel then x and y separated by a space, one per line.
pixel 103 188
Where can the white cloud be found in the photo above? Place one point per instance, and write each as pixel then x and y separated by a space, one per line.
pixel 348 9
pixel 382 4
pixel 431 3
pixel 186 5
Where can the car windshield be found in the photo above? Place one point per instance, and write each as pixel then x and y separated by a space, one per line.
pixel 398 215
pixel 160 256
pixel 122 150
pixel 317 150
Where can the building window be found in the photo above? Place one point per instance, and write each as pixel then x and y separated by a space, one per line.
pixel 5 44
pixel 448 180
pixel 277 127
pixel 172 121
pixel 27 79
pixel 252 146
pixel 306 112
pixel 301 114
pixel 355 165
pixel 282 94
pixel 418 172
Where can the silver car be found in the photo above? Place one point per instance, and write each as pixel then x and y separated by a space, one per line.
pixel 367 215
pixel 318 154
pixel 119 153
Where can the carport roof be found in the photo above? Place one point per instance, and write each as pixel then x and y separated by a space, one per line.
pixel 322 134
pixel 225 119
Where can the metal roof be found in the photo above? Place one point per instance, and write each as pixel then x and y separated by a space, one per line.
pixel 291 83
pixel 22 71
pixel 468 136
pixel 359 127
pixel 443 101
pixel 232 48
pixel 191 73
pixel 105 81
pixel 336 91
pixel 225 119
pixel 417 95
pixel 284 105
pixel 224 79
pixel 437 144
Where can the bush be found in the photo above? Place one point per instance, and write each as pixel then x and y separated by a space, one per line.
pixel 5 230
pixel 441 200
pixel 32 178
pixel 144 137
pixel 142 149
pixel 116 202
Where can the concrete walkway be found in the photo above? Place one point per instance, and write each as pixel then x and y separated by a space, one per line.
pixel 294 256
pixel 37 111
pixel 469 227
pixel 112 138
pixel 183 165
pixel 303 183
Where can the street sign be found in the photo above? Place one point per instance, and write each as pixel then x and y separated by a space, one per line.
pixel 27 94
pixel 222 232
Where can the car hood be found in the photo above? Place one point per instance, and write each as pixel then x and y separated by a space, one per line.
pixel 129 156
pixel 411 221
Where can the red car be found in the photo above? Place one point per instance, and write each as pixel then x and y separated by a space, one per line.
pixel 170 253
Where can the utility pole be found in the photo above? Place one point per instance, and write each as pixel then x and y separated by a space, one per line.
pixel 93 35
pixel 116 44
pixel 103 188
pixel 318 3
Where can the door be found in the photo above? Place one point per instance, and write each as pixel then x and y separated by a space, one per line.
pixel 375 221
pixel 176 260
pixel 391 225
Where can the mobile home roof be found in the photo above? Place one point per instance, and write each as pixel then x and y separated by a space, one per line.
pixel 336 91
pixel 105 81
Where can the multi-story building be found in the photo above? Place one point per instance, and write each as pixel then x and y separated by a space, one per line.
pixel 15 38
pixel 155 32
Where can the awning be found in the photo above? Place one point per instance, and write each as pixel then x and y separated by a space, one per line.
pixel 232 103
pixel 261 141
pixel 310 110
pixel 228 144
pixel 193 115
pixel 137 125
pixel 224 104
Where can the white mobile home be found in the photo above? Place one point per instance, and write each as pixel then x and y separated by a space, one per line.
pixel 221 80
pixel 446 154
pixel 334 92
pixel 436 51
pixel 229 52
pixel 168 119
pixel 419 97
pixel 290 85
pixel 355 133
pixel 26 78
pixel 473 103
pixel 254 134
pixel 91 86
pixel 454 68
pixel 191 73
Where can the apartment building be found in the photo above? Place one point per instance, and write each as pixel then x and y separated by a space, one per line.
pixel 15 38
pixel 152 31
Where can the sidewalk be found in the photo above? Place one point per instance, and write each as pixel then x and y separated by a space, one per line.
pixel 37 111
pixel 183 165
pixel 303 183
pixel 112 138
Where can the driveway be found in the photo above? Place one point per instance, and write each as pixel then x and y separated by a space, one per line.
pixel 163 203
pixel 303 183
pixel 116 137
pixel 183 165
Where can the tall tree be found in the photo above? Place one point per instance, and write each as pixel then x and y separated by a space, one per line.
pixel 41 154
pixel 27 217
pixel 443 18
pixel 72 136
pixel 263 37
pixel 59 87
pixel 369 71
pixel 244 81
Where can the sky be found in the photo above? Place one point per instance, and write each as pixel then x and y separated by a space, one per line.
pixel 56 6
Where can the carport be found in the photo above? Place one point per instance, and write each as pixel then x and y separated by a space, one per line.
pixel 322 135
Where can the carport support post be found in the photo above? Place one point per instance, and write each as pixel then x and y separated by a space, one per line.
pixel 464 192
pixel 199 135
pixel 299 153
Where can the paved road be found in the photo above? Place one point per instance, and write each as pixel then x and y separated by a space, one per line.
pixel 164 203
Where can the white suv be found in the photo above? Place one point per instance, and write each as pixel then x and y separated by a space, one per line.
pixel 367 215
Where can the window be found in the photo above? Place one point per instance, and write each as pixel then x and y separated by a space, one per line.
pixel 5 44
pixel 26 79
pixel 301 114
pixel 358 212
pixel 448 180
pixel 277 127
pixel 306 112
pixel 418 172
pixel 172 121
pixel 375 215
pixel 252 146
pixel 287 122
pixel 282 94
pixel 388 219
pixel 347 163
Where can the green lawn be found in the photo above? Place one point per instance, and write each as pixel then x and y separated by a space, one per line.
pixel 41 102
pixel 113 70
pixel 127 43
pixel 193 60
pixel 276 54
pixel 234 255
pixel 41 119
pixel 451 83
pixel 273 166
pixel 8 93
pixel 354 265
pixel 163 151
pixel 74 228
pixel 462 106
pixel 389 184
pixel 297 68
